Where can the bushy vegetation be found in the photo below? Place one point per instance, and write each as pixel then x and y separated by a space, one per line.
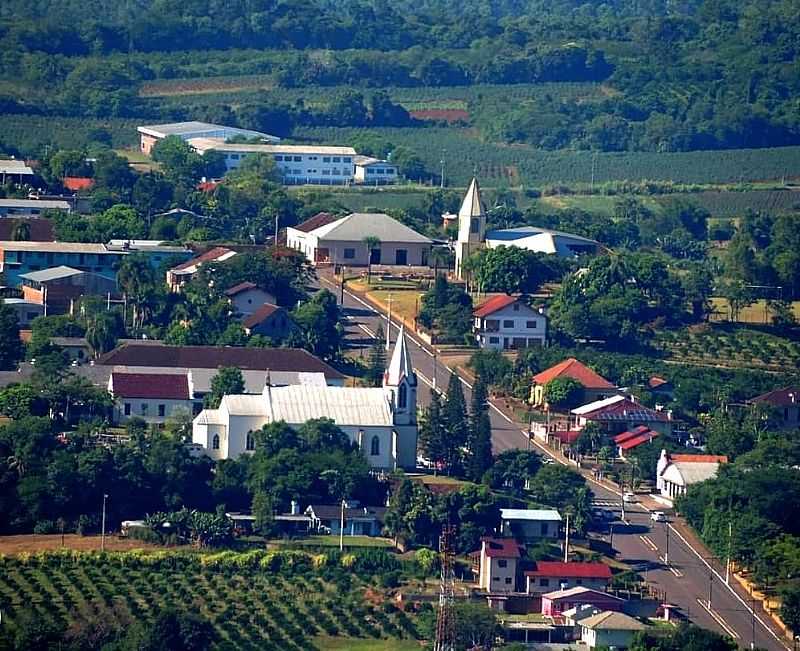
pixel 266 600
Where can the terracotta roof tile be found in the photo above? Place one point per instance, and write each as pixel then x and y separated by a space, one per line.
pixel 77 183
pixel 501 547
pixel 577 371
pixel 312 223
pixel 211 254
pixel 494 304
pixel 636 441
pixel 577 570
pixel 241 287
pixel 780 397
pixel 698 458
pixel 151 385
pixel 260 315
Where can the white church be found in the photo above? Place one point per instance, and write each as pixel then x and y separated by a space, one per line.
pixel 382 421
pixel 473 236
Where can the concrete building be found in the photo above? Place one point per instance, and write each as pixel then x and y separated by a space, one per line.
pixel 557 602
pixel 381 421
pixel 20 258
pixel 549 575
pixel 497 564
pixel 247 297
pixel 595 386
pixel 15 170
pixel 183 273
pixel 297 164
pixel 473 236
pixel 151 134
pixel 58 288
pixel 153 397
pixel 341 241
pixel 509 323
pixel 269 321
pixel 530 525
pixel 358 520
pixel 25 310
pixel 374 171
pixel 676 472
pixel 609 630
pixel 31 207
pixel 785 404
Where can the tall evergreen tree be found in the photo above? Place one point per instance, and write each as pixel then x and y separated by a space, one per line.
pixel 376 363
pixel 10 345
pixel 479 444
pixel 432 433
pixel 456 422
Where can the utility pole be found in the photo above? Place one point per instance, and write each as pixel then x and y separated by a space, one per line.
pixel 728 561
pixel 341 528
pixel 594 163
pixel 753 624
pixel 622 490
pixel 611 536
pixel 710 586
pixel 434 369
pixel 277 216
pixel 566 541
pixel 103 525
pixel 388 321
pixel 442 179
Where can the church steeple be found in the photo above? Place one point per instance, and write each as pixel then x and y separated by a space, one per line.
pixel 400 383
pixel 472 215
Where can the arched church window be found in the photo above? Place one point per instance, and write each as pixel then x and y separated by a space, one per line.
pixel 375 446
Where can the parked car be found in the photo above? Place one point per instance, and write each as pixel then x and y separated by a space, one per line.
pixel 628 498
pixel 658 516
pixel 546 461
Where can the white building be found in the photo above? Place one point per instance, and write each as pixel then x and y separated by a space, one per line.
pixel 297 164
pixel 382 421
pixel 326 239
pixel 31 207
pixel 676 472
pixel 149 135
pixel 528 525
pixel 472 234
pixel 508 323
pixel 25 310
pixel 497 564
pixel 374 171
pixel 11 168
pixel 609 630
pixel 247 297
pixel 153 397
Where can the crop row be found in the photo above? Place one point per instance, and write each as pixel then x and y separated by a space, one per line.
pixel 736 204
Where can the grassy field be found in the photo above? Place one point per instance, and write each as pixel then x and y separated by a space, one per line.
pixel 349 644
pixel 249 608
pixel 333 541
pixel 756 312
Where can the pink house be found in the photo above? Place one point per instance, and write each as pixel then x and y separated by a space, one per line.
pixel 555 603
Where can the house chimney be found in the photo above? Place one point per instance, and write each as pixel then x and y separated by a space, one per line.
pixel 295 508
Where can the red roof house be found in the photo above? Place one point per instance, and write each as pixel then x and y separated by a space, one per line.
pixel 494 304
pixel 269 321
pixel 555 603
pixel 312 223
pixel 155 386
pixel 786 403
pixel 595 386
pixel 507 322
pixel 78 183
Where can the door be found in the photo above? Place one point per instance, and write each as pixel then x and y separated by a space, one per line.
pixel 375 256
pixel 401 256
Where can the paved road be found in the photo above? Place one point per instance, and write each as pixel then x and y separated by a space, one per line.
pixel 685 579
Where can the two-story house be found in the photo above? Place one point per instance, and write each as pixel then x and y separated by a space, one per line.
pixel 547 576
pixel 497 563
pixel 508 322
pixel 530 525
pixel 785 403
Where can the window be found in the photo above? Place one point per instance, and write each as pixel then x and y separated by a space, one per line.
pixel 127 408
pixel 502 563
pixel 390 170
pixel 250 442
pixel 545 529
pixel 508 580
pixel 162 411
pixel 234 156
pixel 370 170
pixel 494 340
pixel 379 171
pixel 531 325
pixel 336 171
pixel 495 578
pixel 492 325
pixel 326 159
pixel 544 583
pixel 278 157
pixel 145 408
pixel 578 581
pixel 297 159
pixel 349 254
pixel 346 159
pixel 297 172
pixel 326 172
pixel 516 307
pixel 375 446
pixel 474 225
pixel 401 256
pixel 215 442
pixel 402 396
pixel 32 315
pixel 508 323
pixel 337 159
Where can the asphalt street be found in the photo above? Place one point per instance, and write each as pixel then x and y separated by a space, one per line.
pixel 685 576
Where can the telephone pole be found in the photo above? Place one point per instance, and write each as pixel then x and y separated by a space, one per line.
pixel 388 321
pixel 103 525
pixel 445 620
pixel 566 540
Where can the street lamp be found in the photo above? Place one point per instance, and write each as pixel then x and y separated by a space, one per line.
pixel 103 525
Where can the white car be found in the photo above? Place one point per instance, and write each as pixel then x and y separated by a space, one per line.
pixel 628 498
pixel 546 461
pixel 658 516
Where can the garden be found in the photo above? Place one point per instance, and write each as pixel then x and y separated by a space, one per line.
pixel 255 600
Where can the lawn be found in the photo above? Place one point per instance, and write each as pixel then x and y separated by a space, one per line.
pixel 250 601
pixel 756 312
pixel 333 541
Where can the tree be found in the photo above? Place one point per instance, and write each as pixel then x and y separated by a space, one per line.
pixel 101 335
pixel 433 441
pixel 479 444
pixel 228 381
pixel 376 362
pixel 21 232
pixel 372 243
pixel 319 329
pixel 512 470
pixel 563 392
pixel 456 422
pixel 408 163
pixel 181 163
pixel 11 350
pixel 513 270
pixel 476 626
pixel 790 607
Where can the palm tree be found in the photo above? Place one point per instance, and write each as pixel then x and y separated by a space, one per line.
pixel 372 243
pixel 439 257
pixel 100 335
pixel 137 280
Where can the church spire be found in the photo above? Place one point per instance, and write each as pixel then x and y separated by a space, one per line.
pixel 471 215
pixel 472 205
pixel 400 366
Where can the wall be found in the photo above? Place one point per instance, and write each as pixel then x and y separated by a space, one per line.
pixel 519 329
pixel 416 252
pixel 249 301
pixel 170 407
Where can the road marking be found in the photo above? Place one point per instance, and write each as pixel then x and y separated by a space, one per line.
pixel 733 592
pixel 367 330
pixel 647 541
pixel 424 379
pixel 717 618
pixel 676 572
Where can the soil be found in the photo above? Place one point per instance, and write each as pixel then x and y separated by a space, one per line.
pixel 11 545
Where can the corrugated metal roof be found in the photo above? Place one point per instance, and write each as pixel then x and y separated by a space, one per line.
pixel 52 273
pixel 192 127
pixel 530 514
pixel 42 204
pixel 358 225
pixel 217 144
pixel 12 166
pixel 344 405
pixel 245 405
